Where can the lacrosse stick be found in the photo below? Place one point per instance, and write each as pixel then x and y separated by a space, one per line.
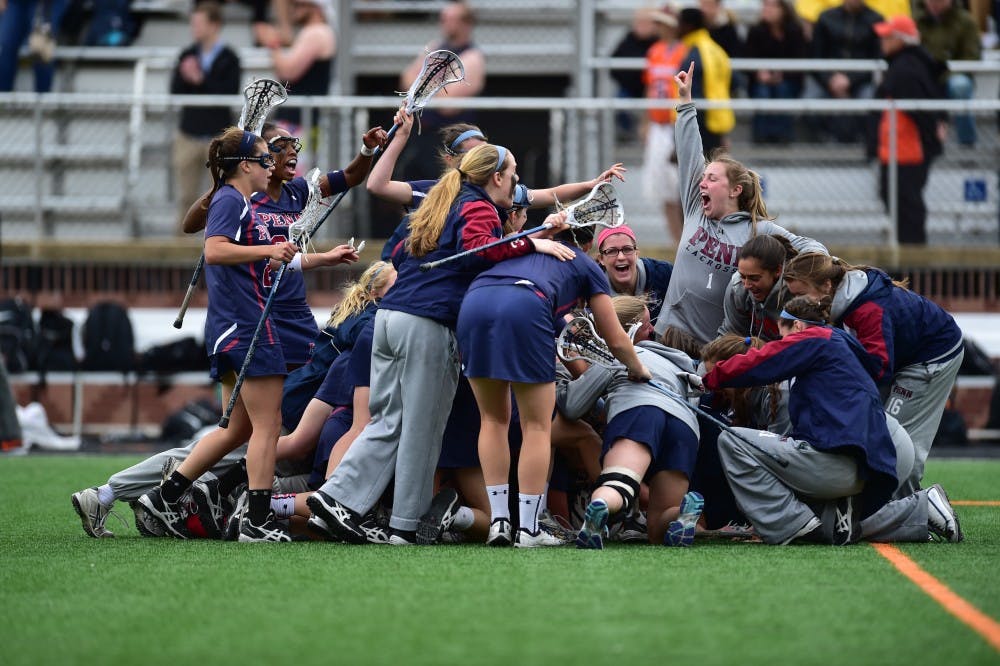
pixel 300 232
pixel 440 69
pixel 579 341
pixel 261 96
pixel 600 208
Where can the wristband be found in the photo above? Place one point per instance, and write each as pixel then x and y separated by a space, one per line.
pixel 296 263
pixel 366 151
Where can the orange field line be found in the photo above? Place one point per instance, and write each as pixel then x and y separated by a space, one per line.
pixel 968 614
pixel 976 503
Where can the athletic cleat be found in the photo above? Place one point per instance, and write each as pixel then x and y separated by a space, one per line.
pixel 942 522
pixel 231 528
pixel 205 495
pixel 633 529
pixel 731 530
pixel 271 531
pixel 341 521
pixel 500 533
pixel 92 513
pixel 145 525
pixel 171 517
pixel 319 528
pixel 374 530
pixel 438 518
pixel 595 521
pixel 680 532
pixel 540 539
pixel 402 538
pixel 846 525
pixel 811 528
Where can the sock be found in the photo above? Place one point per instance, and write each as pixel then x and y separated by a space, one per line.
pixel 498 501
pixel 283 505
pixel 233 478
pixel 545 500
pixel 463 519
pixel 529 507
pixel 259 505
pixel 105 495
pixel 174 487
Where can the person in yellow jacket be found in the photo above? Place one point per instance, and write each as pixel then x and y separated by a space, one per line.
pixel 713 84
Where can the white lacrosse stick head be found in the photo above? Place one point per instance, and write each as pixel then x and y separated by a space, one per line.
pixel 300 232
pixel 579 341
pixel 261 97
pixel 440 69
pixel 601 207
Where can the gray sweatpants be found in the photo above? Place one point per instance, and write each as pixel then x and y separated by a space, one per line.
pixel 916 398
pixel 771 495
pixel 132 483
pixel 413 380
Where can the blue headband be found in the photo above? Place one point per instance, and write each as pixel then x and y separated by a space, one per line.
pixel 467 134
pixel 501 156
pixel 785 315
pixel 522 197
pixel 247 144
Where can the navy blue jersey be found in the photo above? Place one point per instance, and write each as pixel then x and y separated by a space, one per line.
pixel 898 327
pixel 658 274
pixel 562 283
pixel 235 292
pixel 359 369
pixel 833 402
pixel 472 221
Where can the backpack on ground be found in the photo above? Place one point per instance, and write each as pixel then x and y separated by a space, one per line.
pixel 189 419
pixel 108 340
pixel 184 355
pixel 18 335
pixel 55 342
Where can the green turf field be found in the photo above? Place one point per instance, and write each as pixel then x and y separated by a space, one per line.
pixel 70 599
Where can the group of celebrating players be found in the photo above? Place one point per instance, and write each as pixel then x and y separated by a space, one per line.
pixel 759 388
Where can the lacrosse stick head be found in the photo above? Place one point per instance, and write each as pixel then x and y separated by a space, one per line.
pixel 600 208
pixel 300 232
pixel 440 69
pixel 261 97
pixel 579 341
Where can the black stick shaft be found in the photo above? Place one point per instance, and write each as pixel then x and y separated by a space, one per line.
pixel 179 321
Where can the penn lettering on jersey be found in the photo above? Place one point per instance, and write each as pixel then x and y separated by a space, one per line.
pixel 712 251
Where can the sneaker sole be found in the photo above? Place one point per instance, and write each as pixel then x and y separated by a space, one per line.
pixel 960 536
pixel 429 528
pixel 594 520
pixel 344 532
pixel 680 532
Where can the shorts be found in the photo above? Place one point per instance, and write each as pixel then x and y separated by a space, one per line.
pixel 267 360
pixel 660 178
pixel 337 424
pixel 673 445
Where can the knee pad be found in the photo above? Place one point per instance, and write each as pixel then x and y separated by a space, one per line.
pixel 623 481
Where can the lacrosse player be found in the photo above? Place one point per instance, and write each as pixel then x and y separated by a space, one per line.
pixel 414 361
pixel 630 275
pixel 723 208
pixel 917 346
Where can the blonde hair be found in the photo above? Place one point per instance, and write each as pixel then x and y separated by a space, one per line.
pixel 361 293
pixel 629 309
pixel 750 199
pixel 477 167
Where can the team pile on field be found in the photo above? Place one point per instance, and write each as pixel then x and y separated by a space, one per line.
pixel 756 388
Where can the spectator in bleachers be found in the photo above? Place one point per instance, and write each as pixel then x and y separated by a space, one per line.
pixel 36 23
pixel 949 32
pixel 723 28
pixel 912 74
pixel 659 169
pixel 206 67
pixel 809 11
pixel 778 34
pixel 306 66
pixel 456 22
pixel 711 60
pixel 636 42
pixel 844 32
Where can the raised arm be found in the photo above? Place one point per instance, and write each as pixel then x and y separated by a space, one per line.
pixel 572 191
pixel 197 215
pixel 355 172
pixel 380 183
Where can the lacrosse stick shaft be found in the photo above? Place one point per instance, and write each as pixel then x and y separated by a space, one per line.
pixel 388 137
pixel 500 241
pixel 179 321
pixel 252 349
